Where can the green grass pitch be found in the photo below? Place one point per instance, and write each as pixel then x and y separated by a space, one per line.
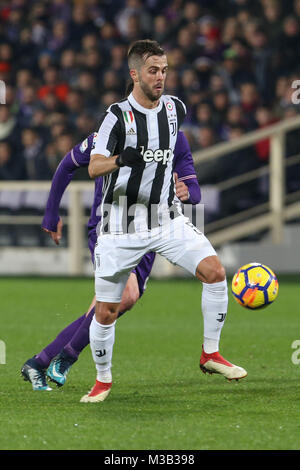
pixel 160 399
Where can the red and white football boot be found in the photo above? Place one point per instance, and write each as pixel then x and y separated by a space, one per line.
pixel 216 364
pixel 98 393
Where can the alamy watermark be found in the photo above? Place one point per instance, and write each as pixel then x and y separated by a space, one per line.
pixel 296 354
pixel 123 217
pixel 296 94
pixel 2 352
pixel 2 92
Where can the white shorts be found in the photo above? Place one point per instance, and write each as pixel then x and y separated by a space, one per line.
pixel 180 242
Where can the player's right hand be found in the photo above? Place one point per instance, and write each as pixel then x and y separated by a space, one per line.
pixel 130 157
pixel 56 236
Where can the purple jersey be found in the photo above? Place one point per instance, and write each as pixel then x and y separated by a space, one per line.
pixel 78 157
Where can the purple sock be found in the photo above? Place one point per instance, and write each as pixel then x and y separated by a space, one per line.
pixel 81 337
pixel 49 352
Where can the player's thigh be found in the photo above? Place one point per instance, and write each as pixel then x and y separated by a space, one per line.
pixel 115 257
pixel 185 245
pixel 110 289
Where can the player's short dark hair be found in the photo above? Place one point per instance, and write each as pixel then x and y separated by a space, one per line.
pixel 140 50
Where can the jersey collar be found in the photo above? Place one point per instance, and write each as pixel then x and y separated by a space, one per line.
pixel 140 108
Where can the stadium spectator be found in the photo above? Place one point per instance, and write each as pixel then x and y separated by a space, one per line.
pixel 59 37
pixel 53 84
pixel 234 118
pixel 8 124
pixel 245 195
pixel 186 41
pixel 118 59
pixel 11 167
pixel 80 24
pixel 289 44
pixel 133 9
pixel 89 41
pixel 69 69
pixel 231 30
pixel 85 125
pixel 33 153
pixel 29 103
pixel 39 123
pixel 6 60
pixel 111 81
pixel 204 114
pixel 249 101
pixel 220 102
pixel 262 57
pixel 74 105
pixel 109 36
pixel 92 60
pixel 45 59
pixel 296 5
pixel 11 99
pixel 87 83
pixel 173 83
pixel 161 29
pixel 272 19
pixel 264 118
pixel 206 137
pixel 60 9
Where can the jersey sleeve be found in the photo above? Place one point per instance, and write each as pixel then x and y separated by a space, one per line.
pixel 81 152
pixel 184 167
pixel 108 135
pixel 78 157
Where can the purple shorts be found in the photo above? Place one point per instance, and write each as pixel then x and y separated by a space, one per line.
pixel 142 270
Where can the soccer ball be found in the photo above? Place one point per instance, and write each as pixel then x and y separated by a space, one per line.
pixel 254 286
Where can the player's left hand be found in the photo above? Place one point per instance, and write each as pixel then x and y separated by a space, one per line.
pixel 56 236
pixel 181 190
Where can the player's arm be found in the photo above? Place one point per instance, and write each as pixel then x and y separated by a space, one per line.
pixel 78 157
pixel 100 165
pixel 104 158
pixel 186 184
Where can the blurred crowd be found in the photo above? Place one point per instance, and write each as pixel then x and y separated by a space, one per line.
pixel 64 62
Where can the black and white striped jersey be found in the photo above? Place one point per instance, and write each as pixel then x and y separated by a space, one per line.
pixel 136 199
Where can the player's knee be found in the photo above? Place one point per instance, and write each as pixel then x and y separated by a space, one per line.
pixel 106 314
pixel 213 273
pixel 218 275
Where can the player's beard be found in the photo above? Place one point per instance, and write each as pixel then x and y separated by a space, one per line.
pixel 151 95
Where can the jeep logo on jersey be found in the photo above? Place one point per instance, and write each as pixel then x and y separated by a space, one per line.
pixel 157 156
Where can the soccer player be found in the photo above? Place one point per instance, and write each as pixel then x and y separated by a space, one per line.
pixel 133 152
pixel 56 359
